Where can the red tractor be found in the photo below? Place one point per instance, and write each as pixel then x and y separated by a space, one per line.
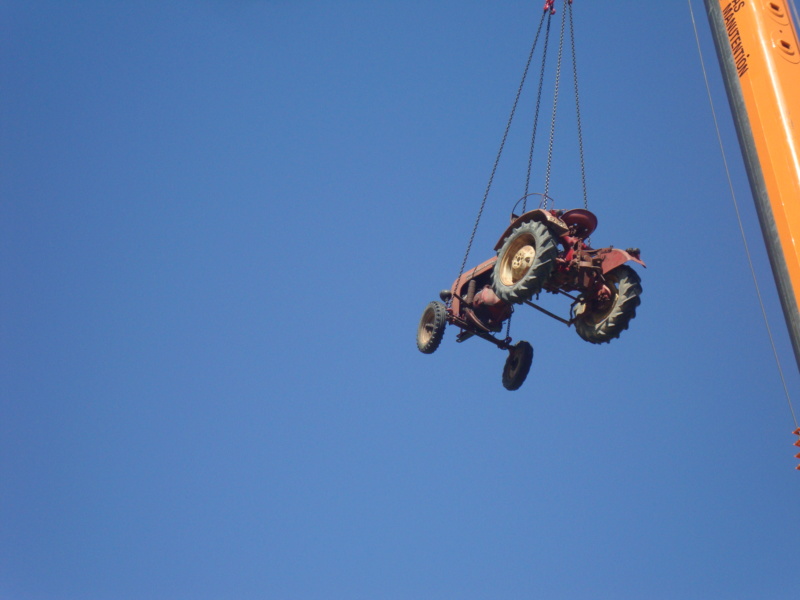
pixel 542 250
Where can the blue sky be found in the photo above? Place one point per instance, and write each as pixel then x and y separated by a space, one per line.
pixel 219 225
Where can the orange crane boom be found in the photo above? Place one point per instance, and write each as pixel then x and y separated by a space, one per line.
pixel 758 51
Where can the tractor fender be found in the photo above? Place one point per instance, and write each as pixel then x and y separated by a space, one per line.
pixel 557 226
pixel 616 257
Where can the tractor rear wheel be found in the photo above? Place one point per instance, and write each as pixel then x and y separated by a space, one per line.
pixel 518 364
pixel 431 327
pixel 599 321
pixel 524 262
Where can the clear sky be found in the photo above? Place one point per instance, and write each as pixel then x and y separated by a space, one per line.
pixel 219 224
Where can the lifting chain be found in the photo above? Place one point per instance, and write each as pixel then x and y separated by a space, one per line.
pixel 577 106
pixel 499 153
pixel 553 119
pixel 536 116
pixel 548 11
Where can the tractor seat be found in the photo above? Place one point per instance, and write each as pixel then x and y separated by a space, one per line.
pixel 582 220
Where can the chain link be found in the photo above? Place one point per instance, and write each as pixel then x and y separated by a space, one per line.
pixel 555 106
pixel 578 108
pixel 536 117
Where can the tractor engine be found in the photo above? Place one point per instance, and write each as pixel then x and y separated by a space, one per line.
pixel 490 309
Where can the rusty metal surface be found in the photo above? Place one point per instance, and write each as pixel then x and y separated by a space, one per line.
pixel 615 257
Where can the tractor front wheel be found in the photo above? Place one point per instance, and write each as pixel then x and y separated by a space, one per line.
pixel 518 364
pixel 599 321
pixel 431 327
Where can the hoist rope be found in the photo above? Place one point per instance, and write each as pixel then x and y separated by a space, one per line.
pixel 739 219
pixel 500 151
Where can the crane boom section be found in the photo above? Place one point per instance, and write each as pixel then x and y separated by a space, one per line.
pixel 758 50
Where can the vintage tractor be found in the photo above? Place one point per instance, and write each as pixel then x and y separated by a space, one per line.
pixel 542 250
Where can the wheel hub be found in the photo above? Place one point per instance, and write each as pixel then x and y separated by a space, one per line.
pixel 518 259
pixel 603 303
pixel 521 262
pixel 426 328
